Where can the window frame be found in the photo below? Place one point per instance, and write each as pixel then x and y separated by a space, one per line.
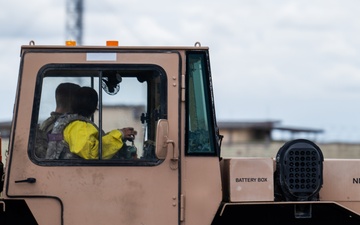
pixel 209 104
pixel 44 71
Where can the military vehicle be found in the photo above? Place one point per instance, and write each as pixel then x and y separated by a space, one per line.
pixel 173 172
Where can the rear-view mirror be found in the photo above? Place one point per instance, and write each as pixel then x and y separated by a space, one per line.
pixel 162 131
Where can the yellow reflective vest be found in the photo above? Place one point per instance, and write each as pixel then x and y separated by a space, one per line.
pixel 82 138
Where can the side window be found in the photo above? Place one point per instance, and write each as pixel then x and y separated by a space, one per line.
pixel 200 126
pixel 119 127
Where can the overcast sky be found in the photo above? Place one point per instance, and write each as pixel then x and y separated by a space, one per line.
pixel 296 61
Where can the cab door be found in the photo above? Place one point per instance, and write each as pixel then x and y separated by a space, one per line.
pixel 128 189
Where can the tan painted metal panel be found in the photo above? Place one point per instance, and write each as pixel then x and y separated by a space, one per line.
pixel 341 180
pixel 249 179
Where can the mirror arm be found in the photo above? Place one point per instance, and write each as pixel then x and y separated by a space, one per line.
pixel 175 157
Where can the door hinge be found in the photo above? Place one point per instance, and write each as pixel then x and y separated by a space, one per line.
pixel 182 207
pixel 183 88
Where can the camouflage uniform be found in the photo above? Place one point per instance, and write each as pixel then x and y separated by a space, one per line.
pixel 41 140
pixel 48 124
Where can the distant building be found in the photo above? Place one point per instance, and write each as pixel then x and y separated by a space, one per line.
pixel 5 129
pixel 236 132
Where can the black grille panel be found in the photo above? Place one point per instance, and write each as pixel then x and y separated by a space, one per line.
pixel 299 170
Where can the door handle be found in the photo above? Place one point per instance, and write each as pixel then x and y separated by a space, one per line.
pixel 30 180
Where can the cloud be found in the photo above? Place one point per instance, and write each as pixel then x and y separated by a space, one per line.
pixel 270 59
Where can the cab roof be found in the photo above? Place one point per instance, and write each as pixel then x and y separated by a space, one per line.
pixel 33 46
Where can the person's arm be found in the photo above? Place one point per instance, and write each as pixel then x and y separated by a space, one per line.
pixel 82 138
pixel 112 142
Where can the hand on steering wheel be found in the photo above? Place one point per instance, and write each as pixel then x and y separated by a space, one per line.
pixel 128 133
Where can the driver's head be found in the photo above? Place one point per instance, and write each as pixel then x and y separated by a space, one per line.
pixel 85 102
pixel 64 96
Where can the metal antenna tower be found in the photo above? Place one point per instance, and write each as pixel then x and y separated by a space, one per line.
pixel 74 20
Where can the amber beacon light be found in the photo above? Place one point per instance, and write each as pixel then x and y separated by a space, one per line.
pixel 112 43
pixel 70 43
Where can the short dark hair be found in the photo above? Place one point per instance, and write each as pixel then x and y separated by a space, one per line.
pixel 64 94
pixel 85 102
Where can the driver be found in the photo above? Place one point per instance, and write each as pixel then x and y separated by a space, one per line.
pixel 76 136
